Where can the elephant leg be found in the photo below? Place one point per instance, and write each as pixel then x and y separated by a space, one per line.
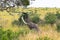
pixel 33 26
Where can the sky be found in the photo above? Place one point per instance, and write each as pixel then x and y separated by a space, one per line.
pixel 45 3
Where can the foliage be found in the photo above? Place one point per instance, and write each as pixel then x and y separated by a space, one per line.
pixel 58 15
pixel 50 18
pixel 8 35
pixel 58 21
pixel 22 31
pixel 35 17
pixel 25 2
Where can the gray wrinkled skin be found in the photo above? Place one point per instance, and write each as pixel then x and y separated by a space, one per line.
pixel 30 24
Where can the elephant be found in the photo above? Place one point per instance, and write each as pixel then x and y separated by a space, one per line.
pixel 25 18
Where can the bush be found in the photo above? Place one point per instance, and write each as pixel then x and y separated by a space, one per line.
pixel 50 18
pixel 8 35
pixel 58 15
pixel 35 17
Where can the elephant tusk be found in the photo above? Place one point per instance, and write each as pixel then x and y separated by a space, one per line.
pixel 23 20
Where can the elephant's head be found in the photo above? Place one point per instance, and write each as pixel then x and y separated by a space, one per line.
pixel 24 16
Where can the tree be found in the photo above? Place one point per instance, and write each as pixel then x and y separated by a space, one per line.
pixel 25 2
pixel 14 3
pixel 22 2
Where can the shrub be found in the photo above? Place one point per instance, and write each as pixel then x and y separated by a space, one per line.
pixel 1 33
pixel 58 15
pixel 35 17
pixel 50 18
pixel 8 35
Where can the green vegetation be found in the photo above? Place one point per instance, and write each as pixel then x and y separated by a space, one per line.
pixel 25 2
pixel 35 17
pixel 20 31
pixel 8 35
pixel 58 21
pixel 44 38
pixel 50 18
pixel 58 15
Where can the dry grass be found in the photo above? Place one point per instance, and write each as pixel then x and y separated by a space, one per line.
pixel 47 30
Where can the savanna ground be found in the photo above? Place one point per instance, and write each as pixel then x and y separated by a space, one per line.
pixel 48 32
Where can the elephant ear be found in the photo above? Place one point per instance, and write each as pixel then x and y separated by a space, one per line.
pixel 23 20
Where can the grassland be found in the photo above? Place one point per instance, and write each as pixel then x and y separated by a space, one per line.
pixel 6 19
